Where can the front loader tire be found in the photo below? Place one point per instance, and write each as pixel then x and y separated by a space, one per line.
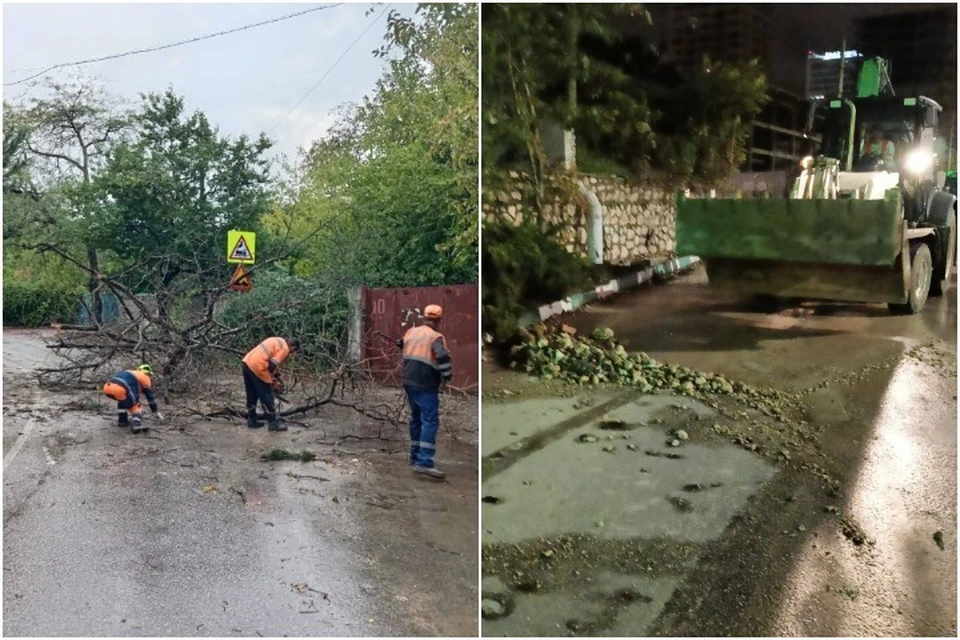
pixel 941 277
pixel 921 274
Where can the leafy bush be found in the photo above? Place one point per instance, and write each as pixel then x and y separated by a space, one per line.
pixel 594 162
pixel 31 305
pixel 524 267
pixel 285 305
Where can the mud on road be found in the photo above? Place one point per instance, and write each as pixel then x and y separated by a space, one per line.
pixel 185 531
pixel 838 520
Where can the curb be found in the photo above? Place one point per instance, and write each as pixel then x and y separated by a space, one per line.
pixel 577 300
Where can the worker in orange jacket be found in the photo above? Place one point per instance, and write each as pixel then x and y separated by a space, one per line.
pixel 426 364
pixel 261 378
pixel 125 388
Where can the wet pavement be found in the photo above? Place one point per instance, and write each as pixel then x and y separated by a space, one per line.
pixel 186 532
pixel 826 529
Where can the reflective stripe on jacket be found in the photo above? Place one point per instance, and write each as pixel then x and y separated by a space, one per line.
pixel 270 351
pixel 426 361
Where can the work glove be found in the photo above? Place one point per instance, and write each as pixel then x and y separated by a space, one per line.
pixel 278 386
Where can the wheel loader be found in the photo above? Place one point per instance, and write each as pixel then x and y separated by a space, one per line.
pixel 867 220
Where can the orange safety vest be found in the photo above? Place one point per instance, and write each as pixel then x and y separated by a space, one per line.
pixel 259 358
pixel 418 344
pixel 119 391
pixel 143 379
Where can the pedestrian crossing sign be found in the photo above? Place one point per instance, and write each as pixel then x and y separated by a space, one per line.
pixel 241 247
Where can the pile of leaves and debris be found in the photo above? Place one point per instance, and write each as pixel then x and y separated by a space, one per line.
pixel 557 353
pixel 275 455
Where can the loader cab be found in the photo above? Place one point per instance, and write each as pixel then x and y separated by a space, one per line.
pixel 888 133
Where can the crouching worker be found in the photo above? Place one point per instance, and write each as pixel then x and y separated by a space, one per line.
pixel 125 388
pixel 261 377
pixel 426 363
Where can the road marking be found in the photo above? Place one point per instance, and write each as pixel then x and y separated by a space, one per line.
pixel 15 449
pixel 50 460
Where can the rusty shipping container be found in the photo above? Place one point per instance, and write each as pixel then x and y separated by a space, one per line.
pixel 388 313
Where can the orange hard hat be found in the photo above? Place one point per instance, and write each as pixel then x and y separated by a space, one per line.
pixel 433 311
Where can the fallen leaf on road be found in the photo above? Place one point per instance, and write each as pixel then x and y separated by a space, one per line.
pixel 210 488
pixel 938 538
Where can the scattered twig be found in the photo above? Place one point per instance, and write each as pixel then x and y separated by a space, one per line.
pixel 302 476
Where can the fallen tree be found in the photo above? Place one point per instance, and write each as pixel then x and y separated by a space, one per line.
pixel 186 347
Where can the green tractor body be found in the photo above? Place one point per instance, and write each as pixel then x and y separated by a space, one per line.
pixel 867 220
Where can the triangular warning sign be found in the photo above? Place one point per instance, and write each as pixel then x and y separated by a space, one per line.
pixel 240 280
pixel 241 251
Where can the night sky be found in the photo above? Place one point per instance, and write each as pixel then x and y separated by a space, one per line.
pixel 803 27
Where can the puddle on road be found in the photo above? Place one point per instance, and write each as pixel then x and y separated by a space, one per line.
pixel 505 425
pixel 601 501
pixel 620 485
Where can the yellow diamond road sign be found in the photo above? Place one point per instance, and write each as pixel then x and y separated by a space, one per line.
pixel 241 247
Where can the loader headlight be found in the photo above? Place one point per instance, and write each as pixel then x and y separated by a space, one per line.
pixel 918 161
pixel 807 162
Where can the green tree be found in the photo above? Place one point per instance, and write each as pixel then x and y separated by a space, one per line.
pixel 71 129
pixel 537 70
pixel 389 196
pixel 16 160
pixel 573 65
pixel 167 198
pixel 705 124
pixel 439 60
pixel 31 213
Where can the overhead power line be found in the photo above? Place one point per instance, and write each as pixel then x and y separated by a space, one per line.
pixel 172 44
pixel 330 70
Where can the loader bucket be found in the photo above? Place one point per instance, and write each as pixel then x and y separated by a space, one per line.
pixel 823 249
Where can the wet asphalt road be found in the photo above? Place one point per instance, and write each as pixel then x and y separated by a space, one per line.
pixel 185 532
pixel 888 435
pixel 106 541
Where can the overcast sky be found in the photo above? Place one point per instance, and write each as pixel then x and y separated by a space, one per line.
pixel 245 82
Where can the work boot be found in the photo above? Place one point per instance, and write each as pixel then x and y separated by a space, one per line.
pixel 276 425
pixel 252 421
pixel 122 420
pixel 137 426
pixel 433 472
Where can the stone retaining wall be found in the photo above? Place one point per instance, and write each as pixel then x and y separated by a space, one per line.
pixel 638 219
